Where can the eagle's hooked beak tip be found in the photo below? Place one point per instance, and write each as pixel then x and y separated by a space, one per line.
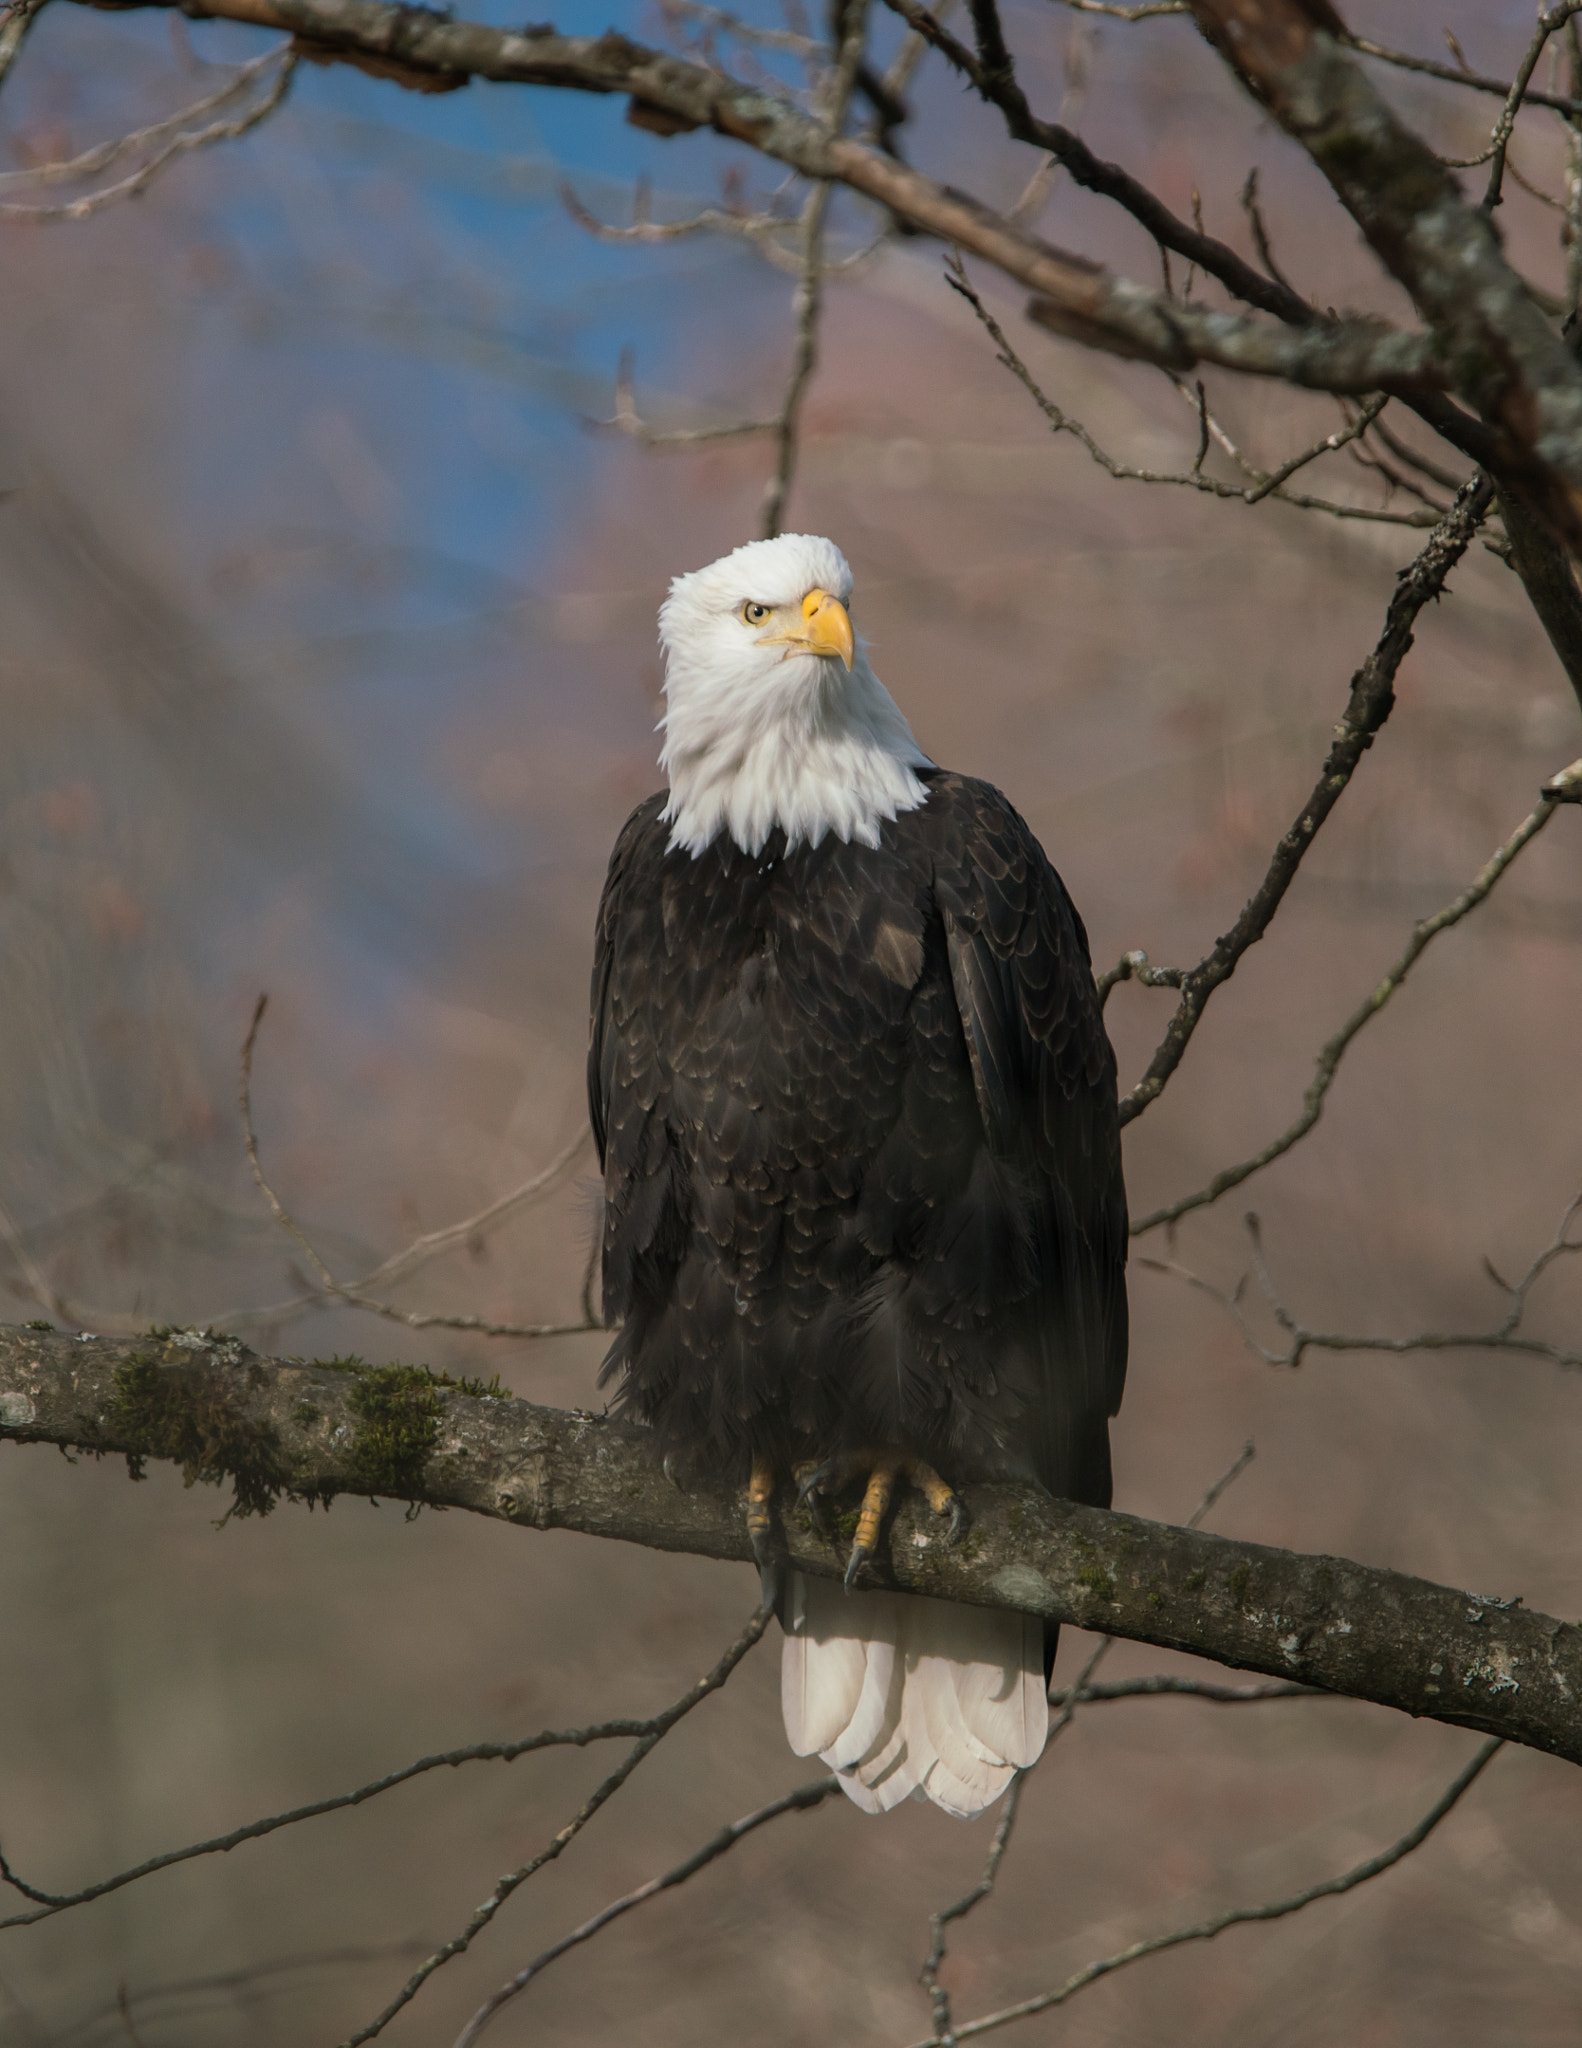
pixel 827 626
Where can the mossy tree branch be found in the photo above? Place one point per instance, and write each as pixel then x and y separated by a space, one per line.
pixel 278 1428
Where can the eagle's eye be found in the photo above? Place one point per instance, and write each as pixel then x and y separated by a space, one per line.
pixel 754 614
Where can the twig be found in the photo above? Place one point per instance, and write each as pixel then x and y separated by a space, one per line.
pixel 1145 10
pixel 807 301
pixel 37 1281
pixel 51 1903
pixel 803 1800
pixel 999 87
pixel 1371 700
pixel 1572 232
pixel 1503 1337
pixel 1550 20
pixel 1238 1465
pixel 1168 1686
pixel 1260 233
pixel 1134 966
pixel 16 18
pixel 1079 70
pixel 1067 1702
pixel 123 2009
pixel 628 420
pixel 913 46
pixel 245 1982
pixel 172 137
pixel 1365 46
pixel 658 1729
pixel 353 1296
pixel 928 1976
pixel 763 232
pixel 1565 788
pixel 744 32
pixel 1275 1909
pixel 1263 485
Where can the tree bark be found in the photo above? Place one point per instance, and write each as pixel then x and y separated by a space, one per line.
pixel 278 1428
pixel 427 51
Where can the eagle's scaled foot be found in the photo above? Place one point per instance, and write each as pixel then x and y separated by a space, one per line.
pixel 882 1470
pixel 876 1500
pixel 941 1496
pixel 760 1492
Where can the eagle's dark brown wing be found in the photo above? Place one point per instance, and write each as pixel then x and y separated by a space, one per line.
pixel 1045 1080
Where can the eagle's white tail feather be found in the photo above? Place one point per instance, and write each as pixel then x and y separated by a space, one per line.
pixel 898 1694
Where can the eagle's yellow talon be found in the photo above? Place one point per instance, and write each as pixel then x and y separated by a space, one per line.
pixel 875 1505
pixel 760 1493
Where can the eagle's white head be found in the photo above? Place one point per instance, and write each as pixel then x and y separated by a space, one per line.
pixel 772 714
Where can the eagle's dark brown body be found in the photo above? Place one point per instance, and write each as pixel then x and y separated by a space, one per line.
pixel 856 1111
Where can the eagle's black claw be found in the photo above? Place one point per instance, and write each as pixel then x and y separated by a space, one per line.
pixel 859 1557
pixel 813 1480
pixel 958 1521
pixel 771 1581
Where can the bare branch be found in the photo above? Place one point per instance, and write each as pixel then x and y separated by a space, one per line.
pixel 1505 1336
pixel 245 1984
pixel 1565 788
pixel 16 18
pixel 1206 1930
pixel 744 32
pixel 168 139
pixel 1145 10
pixel 1371 700
pixel 807 303
pixel 1430 67
pixel 1548 577
pixel 628 420
pixel 1572 233
pixel 1511 364
pixel 928 1976
pixel 1134 966
pixel 1550 21
pixel 50 1903
pixel 353 1297
pixel 803 1800
pixel 1168 1686
pixel 1075 295
pixel 999 88
pixel 660 1727
pixel 1260 233
pixel 1451 74
pixel 1263 485
pixel 279 1428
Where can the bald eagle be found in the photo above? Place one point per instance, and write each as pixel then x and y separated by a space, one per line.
pixel 856 1113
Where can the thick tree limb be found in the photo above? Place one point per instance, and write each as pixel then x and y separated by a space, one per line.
pixel 1506 356
pixel 273 1428
pixel 1548 578
pixel 422 49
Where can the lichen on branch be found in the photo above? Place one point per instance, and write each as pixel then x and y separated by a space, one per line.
pixel 284 1429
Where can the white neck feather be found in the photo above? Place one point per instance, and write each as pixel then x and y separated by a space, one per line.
pixel 807 748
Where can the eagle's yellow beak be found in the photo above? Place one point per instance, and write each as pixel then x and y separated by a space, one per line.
pixel 824 628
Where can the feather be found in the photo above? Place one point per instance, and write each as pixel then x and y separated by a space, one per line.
pixel 856 1114
pixel 900 1694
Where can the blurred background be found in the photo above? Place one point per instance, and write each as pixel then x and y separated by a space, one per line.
pixel 328 668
